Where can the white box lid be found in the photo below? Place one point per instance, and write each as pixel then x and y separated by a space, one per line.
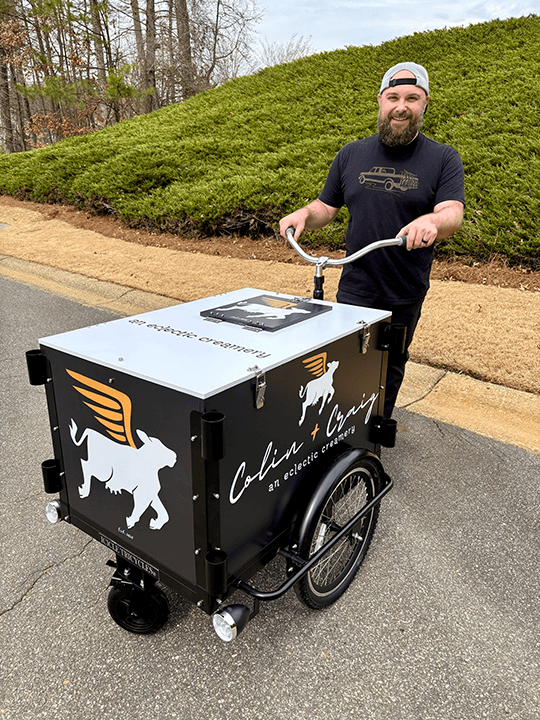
pixel 177 348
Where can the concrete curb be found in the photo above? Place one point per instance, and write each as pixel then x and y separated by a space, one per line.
pixel 503 414
pixel 506 415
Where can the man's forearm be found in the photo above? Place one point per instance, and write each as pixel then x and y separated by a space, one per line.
pixel 444 221
pixel 447 218
pixel 311 217
pixel 319 215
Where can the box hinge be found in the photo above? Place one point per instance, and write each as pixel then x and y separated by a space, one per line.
pixel 260 386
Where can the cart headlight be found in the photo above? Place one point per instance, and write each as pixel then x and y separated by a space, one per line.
pixel 229 622
pixel 53 511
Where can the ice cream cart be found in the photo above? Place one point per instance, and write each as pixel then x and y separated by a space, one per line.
pixel 200 441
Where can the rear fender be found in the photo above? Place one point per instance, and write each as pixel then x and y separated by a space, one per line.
pixel 308 520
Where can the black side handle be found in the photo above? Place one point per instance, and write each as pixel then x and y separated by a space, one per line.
pixel 393 338
pixel 383 432
pixel 52 479
pixel 38 367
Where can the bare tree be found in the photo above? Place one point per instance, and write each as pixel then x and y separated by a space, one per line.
pixel 69 66
pixel 222 39
pixel 274 53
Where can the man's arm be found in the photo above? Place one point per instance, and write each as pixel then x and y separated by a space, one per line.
pixel 444 221
pixel 311 217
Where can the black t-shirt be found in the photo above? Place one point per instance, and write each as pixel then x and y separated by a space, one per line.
pixel 384 189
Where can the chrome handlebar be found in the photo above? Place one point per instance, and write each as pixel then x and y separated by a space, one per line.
pixel 322 262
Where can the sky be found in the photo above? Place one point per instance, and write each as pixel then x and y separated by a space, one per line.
pixel 333 24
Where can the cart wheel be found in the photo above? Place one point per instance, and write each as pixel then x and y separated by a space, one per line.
pixel 351 491
pixel 138 611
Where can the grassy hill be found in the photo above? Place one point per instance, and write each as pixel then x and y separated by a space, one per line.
pixel 235 159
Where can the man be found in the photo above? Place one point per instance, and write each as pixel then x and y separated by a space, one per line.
pixel 398 182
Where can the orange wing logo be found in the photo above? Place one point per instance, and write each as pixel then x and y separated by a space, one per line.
pixel 316 364
pixel 112 408
pixel 278 303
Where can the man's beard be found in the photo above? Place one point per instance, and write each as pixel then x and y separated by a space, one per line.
pixel 398 136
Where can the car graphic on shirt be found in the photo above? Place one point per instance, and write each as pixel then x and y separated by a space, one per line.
pixel 386 178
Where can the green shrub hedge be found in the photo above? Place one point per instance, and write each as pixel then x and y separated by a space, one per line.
pixel 239 157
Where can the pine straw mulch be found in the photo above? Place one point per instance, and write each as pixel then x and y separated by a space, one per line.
pixel 496 272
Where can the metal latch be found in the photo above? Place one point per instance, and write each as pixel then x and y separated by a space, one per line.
pixel 364 337
pixel 260 386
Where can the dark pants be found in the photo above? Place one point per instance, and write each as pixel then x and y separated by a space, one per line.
pixel 407 315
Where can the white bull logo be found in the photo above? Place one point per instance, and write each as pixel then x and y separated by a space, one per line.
pixel 277 311
pixel 134 470
pixel 321 389
pixel 119 463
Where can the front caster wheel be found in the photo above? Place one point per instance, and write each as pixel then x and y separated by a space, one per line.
pixel 333 574
pixel 136 610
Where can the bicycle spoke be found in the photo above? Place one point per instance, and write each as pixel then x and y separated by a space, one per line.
pixel 336 569
pixel 346 500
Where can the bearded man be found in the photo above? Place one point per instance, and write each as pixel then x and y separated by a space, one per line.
pixel 397 182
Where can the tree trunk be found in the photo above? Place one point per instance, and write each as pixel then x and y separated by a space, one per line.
pixel 98 40
pixel 187 71
pixel 139 41
pixel 23 109
pixel 101 116
pixel 5 104
pixel 171 75
pixel 150 68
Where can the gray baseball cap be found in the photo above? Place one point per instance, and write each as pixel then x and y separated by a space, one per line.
pixel 420 76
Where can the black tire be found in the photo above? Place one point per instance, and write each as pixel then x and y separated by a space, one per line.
pixel 138 611
pixel 329 579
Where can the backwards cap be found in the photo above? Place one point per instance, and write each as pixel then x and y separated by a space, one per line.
pixel 420 77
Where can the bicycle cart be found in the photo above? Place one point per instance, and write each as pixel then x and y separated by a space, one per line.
pixel 200 441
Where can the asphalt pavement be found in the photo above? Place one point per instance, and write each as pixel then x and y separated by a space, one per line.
pixel 440 624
